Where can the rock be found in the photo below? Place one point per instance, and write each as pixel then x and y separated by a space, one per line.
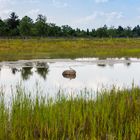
pixel 71 74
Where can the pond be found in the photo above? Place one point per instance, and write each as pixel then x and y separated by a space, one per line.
pixel 91 73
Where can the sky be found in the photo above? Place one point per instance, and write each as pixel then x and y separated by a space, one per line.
pixel 77 13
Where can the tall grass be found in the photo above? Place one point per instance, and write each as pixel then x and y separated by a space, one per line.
pixel 113 115
pixel 15 49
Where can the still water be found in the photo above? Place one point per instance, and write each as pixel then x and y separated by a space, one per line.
pixel 47 75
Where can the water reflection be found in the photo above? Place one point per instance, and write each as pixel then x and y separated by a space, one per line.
pixel 43 72
pixel 28 64
pixel 26 72
pixel 128 64
pixel 101 65
pixel 14 70
pixel 42 65
pixel 88 75
pixel 112 65
pixel 42 69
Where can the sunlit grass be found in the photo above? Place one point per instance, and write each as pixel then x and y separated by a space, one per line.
pixel 113 115
pixel 14 49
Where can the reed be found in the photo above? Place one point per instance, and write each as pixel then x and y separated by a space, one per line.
pixel 113 115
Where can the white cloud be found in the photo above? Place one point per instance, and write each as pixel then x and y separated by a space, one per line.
pixel 101 1
pixel 98 19
pixel 111 16
pixel 33 12
pixel 31 1
pixel 86 19
pixel 5 7
pixel 107 16
pixel 59 4
pixel 5 12
pixel 138 17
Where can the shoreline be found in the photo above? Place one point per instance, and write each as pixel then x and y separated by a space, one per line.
pixel 29 63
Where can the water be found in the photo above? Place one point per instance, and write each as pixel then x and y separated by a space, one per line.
pixel 47 75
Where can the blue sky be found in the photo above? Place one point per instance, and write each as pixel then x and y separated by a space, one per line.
pixel 77 13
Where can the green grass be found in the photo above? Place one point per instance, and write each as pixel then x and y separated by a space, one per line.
pixel 113 115
pixel 15 49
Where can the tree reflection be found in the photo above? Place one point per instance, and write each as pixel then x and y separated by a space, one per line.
pixel 111 64
pixel 28 64
pixel 43 72
pixel 26 72
pixel 14 70
pixel 42 69
pixel 101 65
pixel 129 62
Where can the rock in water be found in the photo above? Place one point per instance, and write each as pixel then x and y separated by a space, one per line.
pixel 71 74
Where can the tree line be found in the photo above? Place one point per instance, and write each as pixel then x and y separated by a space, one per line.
pixel 26 27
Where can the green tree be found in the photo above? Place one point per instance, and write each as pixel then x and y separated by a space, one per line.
pixel 2 28
pixel 112 32
pixel 54 30
pixel 128 32
pixel 41 26
pixel 136 31
pixel 26 26
pixel 13 23
pixel 102 32
pixel 120 32
pixel 88 32
pixel 66 30
pixel 78 32
pixel 93 33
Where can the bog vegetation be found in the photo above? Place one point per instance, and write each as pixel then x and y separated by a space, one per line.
pixel 113 115
pixel 15 49
pixel 25 27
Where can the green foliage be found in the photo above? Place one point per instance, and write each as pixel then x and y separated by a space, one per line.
pixel 2 28
pixel 41 26
pixel 102 32
pixel 114 114
pixel 27 27
pixel 12 24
